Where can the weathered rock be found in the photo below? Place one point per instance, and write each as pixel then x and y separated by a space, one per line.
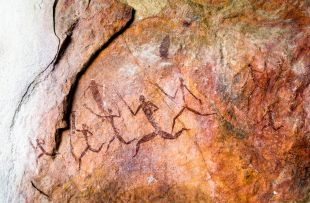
pixel 83 33
pixel 203 102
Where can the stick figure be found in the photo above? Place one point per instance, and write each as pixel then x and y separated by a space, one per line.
pixel 110 118
pixel 148 109
pixel 93 86
pixel 183 88
pixel 85 131
pixel 270 118
pixel 39 144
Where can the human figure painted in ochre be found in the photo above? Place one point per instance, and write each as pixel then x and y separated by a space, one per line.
pixel 86 133
pixel 183 87
pixel 149 109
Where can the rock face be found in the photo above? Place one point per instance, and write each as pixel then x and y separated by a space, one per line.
pixel 200 101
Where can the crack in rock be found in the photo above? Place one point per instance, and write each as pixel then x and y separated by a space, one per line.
pixel 34 82
pixel 68 100
pixel 65 44
pixel 39 190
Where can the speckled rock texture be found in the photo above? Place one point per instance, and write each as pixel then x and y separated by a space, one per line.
pixel 193 101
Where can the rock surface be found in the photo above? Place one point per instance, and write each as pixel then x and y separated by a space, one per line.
pixel 196 101
pixel 26 47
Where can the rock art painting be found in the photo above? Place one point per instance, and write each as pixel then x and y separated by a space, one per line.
pixel 204 101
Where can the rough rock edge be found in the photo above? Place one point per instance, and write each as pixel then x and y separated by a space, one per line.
pixel 68 100
pixel 35 81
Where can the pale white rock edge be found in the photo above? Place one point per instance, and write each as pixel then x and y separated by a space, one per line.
pixel 27 46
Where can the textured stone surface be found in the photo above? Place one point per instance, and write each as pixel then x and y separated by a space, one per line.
pixel 26 47
pixel 223 91
pixel 45 108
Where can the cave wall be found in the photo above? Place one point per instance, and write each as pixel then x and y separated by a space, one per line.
pixel 161 101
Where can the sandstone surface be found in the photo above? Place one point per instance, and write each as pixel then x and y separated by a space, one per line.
pixel 196 101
